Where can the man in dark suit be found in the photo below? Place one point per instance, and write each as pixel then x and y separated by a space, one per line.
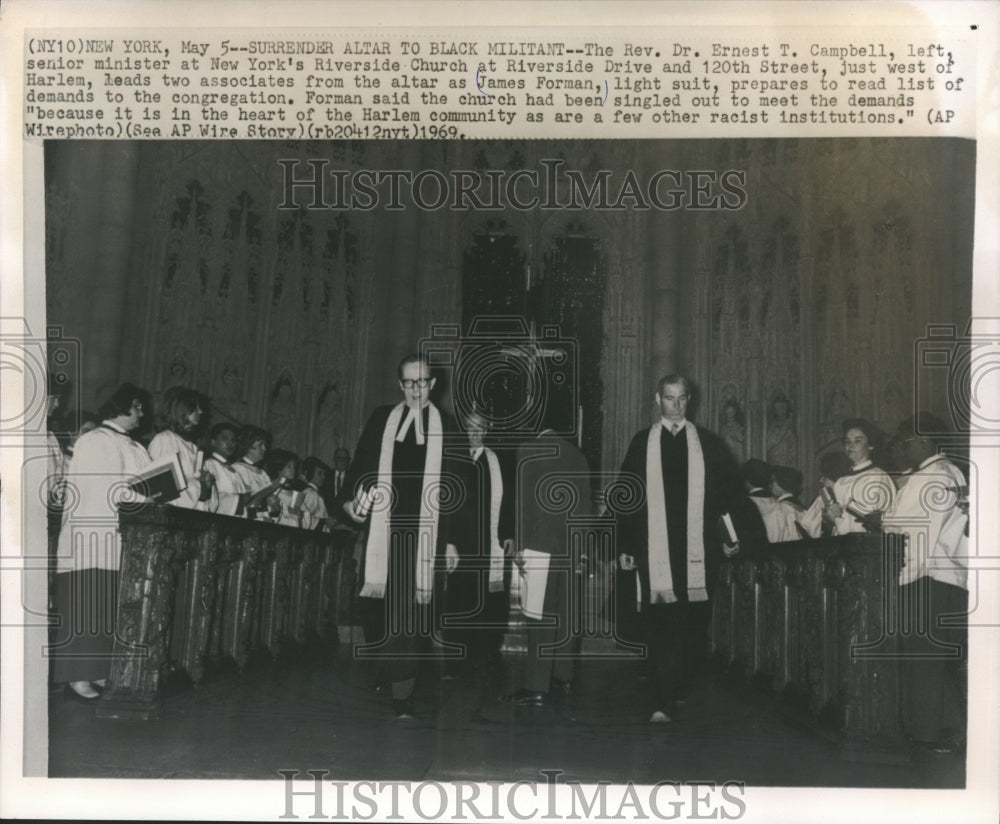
pixel 673 540
pixel 553 487
pixel 341 461
pixel 478 596
pixel 394 484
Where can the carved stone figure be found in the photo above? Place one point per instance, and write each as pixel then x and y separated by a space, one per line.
pixel 782 439
pixel 732 424
pixel 281 414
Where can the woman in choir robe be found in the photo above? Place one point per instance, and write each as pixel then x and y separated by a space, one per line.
pixel 104 462
pixel 864 490
pixel 181 415
pixel 229 490
pixel 252 446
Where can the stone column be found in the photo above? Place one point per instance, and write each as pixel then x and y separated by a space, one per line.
pixel 666 258
pixel 394 324
pixel 102 346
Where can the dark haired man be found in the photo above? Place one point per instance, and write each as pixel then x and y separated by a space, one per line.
pixel 229 489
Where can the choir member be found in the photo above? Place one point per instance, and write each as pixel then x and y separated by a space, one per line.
pixel 252 446
pixel 314 511
pixel 782 519
pixel 182 412
pixel 930 510
pixel 89 549
pixel 284 505
pixel 229 489
pixel 866 489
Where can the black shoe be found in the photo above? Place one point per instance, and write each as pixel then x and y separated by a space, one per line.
pixel 403 708
pixel 526 698
pixel 379 687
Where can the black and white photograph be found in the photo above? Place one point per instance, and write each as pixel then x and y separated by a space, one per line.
pixel 261 312
pixel 502 479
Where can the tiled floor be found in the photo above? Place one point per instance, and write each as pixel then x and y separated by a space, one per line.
pixel 323 714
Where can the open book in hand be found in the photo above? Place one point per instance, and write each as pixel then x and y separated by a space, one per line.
pixel 162 481
pixel 258 499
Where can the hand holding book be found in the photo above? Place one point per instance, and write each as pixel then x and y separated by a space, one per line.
pixel 162 481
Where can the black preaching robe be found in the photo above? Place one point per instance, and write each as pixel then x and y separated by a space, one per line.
pixel 406 621
pixel 722 488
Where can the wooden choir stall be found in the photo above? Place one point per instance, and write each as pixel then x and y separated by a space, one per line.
pixel 198 588
pixel 813 623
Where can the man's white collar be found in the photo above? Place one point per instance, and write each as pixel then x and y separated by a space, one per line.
pixel 414 417
pixel 674 426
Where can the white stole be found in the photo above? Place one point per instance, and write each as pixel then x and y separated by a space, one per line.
pixel 496 496
pixel 661 581
pixel 377 547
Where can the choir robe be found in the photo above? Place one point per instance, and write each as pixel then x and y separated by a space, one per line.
pixel 762 499
pixel 89 551
pixel 782 519
pixel 254 479
pixel 865 489
pixel 396 625
pixel 314 511
pixel 228 486
pixel 166 443
pixel 933 593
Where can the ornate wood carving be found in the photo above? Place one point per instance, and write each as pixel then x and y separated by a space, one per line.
pixel 814 621
pixel 195 585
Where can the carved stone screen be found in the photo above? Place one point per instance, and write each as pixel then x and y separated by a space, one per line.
pixel 172 263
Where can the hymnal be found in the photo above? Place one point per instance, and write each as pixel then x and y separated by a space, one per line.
pixel 257 499
pixel 729 536
pixel 162 481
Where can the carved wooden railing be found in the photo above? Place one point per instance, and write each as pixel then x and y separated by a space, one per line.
pixel 813 622
pixel 197 588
